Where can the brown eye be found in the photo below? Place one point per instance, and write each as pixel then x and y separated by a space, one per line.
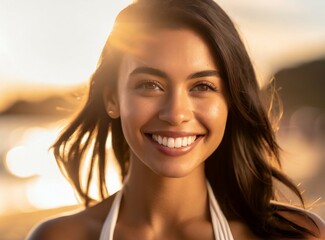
pixel 149 85
pixel 204 87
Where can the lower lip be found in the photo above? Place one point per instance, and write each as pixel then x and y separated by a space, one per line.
pixel 174 152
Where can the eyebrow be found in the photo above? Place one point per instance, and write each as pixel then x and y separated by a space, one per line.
pixel 207 73
pixel 149 70
pixel 162 74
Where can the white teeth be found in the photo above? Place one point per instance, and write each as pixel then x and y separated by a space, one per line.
pixel 184 141
pixel 171 143
pixel 178 142
pixel 174 142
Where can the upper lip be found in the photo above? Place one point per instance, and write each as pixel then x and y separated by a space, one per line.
pixel 174 134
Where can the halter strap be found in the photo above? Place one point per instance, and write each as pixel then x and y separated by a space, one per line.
pixel 220 224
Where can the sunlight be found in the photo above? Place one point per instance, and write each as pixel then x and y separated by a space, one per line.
pixel 50 192
pixel 21 163
pixel 46 186
pixel 31 157
pixel 51 42
pixel 113 176
pixel 114 180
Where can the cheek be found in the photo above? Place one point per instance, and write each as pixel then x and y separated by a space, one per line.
pixel 132 119
pixel 214 113
pixel 135 107
pixel 135 113
pixel 214 117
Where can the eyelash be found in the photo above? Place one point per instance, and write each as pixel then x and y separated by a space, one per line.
pixel 144 83
pixel 210 85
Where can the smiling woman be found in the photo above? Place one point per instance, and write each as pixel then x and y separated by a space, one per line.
pixel 170 100
pixel 176 91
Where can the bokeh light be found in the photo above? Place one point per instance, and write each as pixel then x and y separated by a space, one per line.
pixel 32 157
pixel 50 192
pixel 46 187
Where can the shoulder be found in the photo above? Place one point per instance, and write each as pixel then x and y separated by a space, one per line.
pixel 302 217
pixel 60 228
pixel 83 225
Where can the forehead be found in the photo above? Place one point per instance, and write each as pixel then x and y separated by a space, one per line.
pixel 171 47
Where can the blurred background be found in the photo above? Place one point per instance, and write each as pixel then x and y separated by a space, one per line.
pixel 48 50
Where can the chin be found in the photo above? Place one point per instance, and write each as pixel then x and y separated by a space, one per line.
pixel 174 171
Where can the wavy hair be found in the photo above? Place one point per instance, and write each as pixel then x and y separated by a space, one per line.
pixel 241 170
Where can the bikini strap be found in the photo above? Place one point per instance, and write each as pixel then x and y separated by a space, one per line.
pixel 110 222
pixel 220 224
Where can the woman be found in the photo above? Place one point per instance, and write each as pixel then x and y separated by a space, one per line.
pixel 177 91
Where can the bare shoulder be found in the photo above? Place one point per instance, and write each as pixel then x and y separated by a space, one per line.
pixel 82 225
pixel 304 218
pixel 64 227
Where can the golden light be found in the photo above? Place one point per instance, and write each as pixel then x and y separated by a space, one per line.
pixel 50 192
pixel 113 176
pixel 58 43
pixel 46 187
pixel 51 45
pixel 16 164
pixel 48 46
pixel 31 157
pixel 114 179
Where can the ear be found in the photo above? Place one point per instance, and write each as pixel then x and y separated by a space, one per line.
pixel 111 104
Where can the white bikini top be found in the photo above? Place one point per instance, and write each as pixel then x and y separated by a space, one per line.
pixel 220 224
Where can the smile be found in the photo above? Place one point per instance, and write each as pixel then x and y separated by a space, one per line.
pixel 171 142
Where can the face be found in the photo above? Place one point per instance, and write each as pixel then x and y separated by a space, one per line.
pixel 171 102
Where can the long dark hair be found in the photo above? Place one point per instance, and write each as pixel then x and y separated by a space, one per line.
pixel 241 170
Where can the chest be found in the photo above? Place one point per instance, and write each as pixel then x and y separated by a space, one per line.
pixel 198 231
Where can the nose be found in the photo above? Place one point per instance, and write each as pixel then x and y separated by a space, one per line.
pixel 177 108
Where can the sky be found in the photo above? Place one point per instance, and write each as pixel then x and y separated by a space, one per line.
pixel 280 32
pixel 55 44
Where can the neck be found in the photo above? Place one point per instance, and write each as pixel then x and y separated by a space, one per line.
pixel 156 200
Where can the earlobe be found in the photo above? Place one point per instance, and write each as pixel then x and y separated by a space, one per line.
pixel 111 105
pixel 113 114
